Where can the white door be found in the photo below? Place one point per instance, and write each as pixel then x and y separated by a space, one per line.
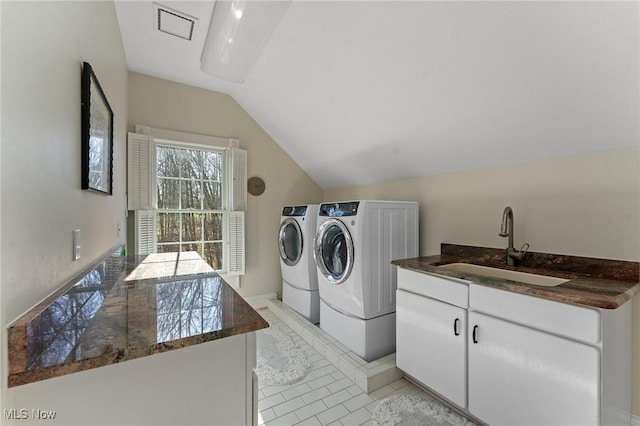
pixel 333 251
pixel 431 344
pixel 290 241
pixel 521 376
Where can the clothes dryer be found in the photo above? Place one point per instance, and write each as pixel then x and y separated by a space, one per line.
pixel 353 249
pixel 299 276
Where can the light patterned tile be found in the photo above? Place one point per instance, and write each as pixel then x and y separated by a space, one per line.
pixel 287 420
pixel 357 417
pixel 327 369
pixel 377 381
pixel 382 392
pixel 333 357
pixel 399 383
pixel 354 390
pixel 296 391
pixel 326 396
pixel 336 398
pixel 272 390
pixel 312 421
pixel 316 395
pixel 321 381
pixel 289 406
pixel 339 385
pixel 310 410
pixel 395 374
pixel 266 416
pixel 319 363
pixel 357 402
pixel 270 401
pixel 315 357
pixel 320 347
pixel 332 414
pixel 338 375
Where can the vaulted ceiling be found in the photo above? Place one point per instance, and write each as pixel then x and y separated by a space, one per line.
pixel 362 92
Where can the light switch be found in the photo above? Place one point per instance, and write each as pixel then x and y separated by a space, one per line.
pixel 76 244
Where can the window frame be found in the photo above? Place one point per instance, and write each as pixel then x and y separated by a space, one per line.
pixel 157 142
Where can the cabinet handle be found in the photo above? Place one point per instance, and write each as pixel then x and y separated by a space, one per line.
pixel 475 334
pixel 456 332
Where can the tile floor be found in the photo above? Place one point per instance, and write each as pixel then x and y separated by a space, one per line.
pixel 325 396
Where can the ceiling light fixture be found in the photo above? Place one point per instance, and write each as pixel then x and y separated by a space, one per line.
pixel 238 32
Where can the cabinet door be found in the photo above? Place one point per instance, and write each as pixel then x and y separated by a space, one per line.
pixel 521 376
pixel 431 344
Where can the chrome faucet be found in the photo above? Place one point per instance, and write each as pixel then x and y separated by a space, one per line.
pixel 506 230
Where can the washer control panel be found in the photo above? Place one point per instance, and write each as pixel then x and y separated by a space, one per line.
pixel 339 209
pixel 294 211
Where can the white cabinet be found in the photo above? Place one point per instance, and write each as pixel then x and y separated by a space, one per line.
pixel 431 344
pixel 525 361
pixel 522 376
pixel 205 384
pixel 431 332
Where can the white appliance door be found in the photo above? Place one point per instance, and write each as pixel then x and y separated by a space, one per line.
pixel 333 251
pixel 290 242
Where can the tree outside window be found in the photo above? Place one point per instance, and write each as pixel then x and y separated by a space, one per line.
pixel 190 208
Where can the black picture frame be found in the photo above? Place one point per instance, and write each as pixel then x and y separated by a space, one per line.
pixel 97 135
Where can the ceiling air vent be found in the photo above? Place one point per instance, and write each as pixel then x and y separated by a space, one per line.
pixel 172 22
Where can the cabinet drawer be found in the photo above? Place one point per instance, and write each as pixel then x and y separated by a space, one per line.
pixel 559 318
pixel 449 291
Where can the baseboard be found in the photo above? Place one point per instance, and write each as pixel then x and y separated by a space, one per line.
pixel 260 301
pixel 635 420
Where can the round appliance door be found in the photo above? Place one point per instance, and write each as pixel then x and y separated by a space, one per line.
pixel 290 241
pixel 333 251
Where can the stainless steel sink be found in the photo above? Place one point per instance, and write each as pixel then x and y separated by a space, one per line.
pixel 505 274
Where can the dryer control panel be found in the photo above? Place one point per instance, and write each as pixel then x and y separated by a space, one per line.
pixel 294 211
pixel 339 209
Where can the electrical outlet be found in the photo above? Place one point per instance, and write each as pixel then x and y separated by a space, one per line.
pixel 77 246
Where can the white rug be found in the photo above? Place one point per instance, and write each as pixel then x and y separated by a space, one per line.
pixel 408 410
pixel 280 360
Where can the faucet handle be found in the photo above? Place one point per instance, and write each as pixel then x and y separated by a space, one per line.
pixel 518 255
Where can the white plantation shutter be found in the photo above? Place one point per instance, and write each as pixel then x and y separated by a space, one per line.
pixel 145 231
pixel 237 205
pixel 238 174
pixel 140 172
pixel 235 243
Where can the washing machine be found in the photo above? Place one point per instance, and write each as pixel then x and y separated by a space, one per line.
pixel 299 276
pixel 353 248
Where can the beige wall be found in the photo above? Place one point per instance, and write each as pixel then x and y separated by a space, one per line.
pixel 586 205
pixel 167 105
pixel 43 47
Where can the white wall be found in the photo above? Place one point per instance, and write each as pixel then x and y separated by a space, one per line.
pixel 586 205
pixel 43 47
pixel 167 105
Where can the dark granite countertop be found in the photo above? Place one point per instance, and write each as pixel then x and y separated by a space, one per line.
pixel 599 283
pixel 124 308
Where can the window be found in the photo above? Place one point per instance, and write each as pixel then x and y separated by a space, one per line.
pixel 190 193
